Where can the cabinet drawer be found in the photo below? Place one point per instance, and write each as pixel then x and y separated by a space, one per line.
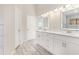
pixel 67 38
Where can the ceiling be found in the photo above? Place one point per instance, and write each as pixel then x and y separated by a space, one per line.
pixel 42 8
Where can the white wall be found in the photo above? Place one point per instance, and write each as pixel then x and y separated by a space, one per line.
pixel 9 28
pixel 29 23
pixel 55 21
pixel 31 27
pixel 1 30
pixel 18 24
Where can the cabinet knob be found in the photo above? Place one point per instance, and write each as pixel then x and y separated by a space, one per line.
pixel 64 44
pixel 19 30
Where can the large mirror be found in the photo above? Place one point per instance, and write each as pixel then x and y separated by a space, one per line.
pixel 42 23
pixel 70 19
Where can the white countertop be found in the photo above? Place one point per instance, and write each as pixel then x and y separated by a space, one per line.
pixel 76 34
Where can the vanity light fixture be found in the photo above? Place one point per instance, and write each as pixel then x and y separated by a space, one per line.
pixel 50 12
pixel 61 9
pixel 44 15
pixel 67 6
pixel 70 7
pixel 56 10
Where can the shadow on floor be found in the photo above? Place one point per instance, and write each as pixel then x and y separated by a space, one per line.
pixel 31 48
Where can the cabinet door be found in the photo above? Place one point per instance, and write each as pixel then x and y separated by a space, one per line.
pixel 30 27
pixel 39 37
pixel 42 39
pixel 56 46
pixel 70 45
pixel 72 48
pixel 45 41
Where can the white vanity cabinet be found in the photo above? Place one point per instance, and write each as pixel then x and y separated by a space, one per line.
pixel 66 44
pixel 43 40
pixel 71 44
pixel 71 48
pixel 58 44
pixel 49 42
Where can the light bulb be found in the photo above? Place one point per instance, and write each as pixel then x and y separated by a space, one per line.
pixel 67 6
pixel 61 9
pixel 56 10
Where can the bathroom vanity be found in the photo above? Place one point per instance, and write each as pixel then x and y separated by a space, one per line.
pixel 59 42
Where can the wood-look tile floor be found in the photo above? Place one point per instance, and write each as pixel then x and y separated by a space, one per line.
pixel 31 48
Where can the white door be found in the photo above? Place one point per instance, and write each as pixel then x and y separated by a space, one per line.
pixel 31 27
pixel 18 32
